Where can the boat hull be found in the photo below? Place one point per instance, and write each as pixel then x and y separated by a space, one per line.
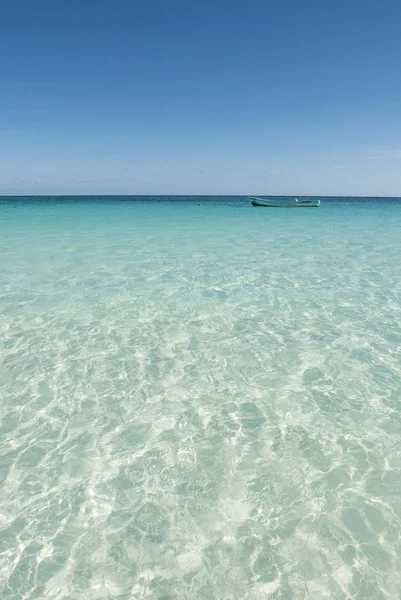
pixel 284 203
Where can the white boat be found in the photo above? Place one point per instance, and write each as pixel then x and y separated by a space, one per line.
pixel 285 202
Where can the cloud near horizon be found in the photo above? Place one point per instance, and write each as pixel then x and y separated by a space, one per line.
pixel 135 162
pixel 386 154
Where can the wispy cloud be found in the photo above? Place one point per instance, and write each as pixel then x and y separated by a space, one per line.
pixel 338 167
pixel 386 155
pixel 135 162
pixel 21 180
pixel 96 180
pixel 101 150
pixel 197 176
pixel 277 171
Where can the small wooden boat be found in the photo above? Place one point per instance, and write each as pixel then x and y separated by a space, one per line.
pixel 285 202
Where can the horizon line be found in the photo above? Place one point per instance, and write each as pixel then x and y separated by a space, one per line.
pixel 69 195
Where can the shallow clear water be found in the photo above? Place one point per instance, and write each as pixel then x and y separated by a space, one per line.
pixel 200 401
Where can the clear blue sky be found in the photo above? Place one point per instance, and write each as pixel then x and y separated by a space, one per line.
pixel 289 97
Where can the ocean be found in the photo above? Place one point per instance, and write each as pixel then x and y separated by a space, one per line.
pixel 199 399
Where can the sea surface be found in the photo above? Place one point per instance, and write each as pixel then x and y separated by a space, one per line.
pixel 199 400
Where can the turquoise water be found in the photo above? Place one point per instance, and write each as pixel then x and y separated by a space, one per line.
pixel 200 402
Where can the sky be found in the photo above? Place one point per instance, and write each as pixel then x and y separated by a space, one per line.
pixel 181 97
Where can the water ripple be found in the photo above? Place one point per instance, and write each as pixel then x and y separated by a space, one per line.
pixel 207 409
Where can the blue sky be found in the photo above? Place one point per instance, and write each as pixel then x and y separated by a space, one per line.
pixel 290 97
